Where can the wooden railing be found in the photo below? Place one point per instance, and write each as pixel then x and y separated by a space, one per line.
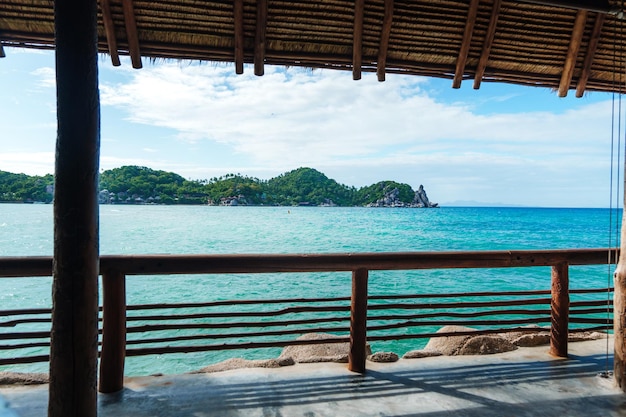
pixel 115 269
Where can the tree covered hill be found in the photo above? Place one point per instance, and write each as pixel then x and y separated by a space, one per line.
pixel 25 188
pixel 142 185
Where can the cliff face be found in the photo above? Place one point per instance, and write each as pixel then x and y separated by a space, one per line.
pixel 392 199
pixel 421 199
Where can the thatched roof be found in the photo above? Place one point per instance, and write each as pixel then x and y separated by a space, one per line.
pixel 472 40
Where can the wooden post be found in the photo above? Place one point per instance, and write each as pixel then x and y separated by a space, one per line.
pixel 113 332
pixel 619 312
pixel 560 310
pixel 358 321
pixel 74 334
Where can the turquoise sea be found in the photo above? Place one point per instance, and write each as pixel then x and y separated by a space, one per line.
pixel 27 230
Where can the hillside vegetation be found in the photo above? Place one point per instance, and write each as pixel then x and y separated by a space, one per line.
pixel 142 185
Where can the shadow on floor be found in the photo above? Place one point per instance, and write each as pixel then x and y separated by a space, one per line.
pixel 535 388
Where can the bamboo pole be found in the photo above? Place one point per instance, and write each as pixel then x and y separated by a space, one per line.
pixel 572 53
pixel 465 44
pixel 358 321
pixel 385 34
pixel 109 30
pixel 259 40
pixel 357 40
pixel 489 37
pixel 239 35
pixel 74 334
pixel 132 37
pixel 560 310
pixel 113 332
pixel 591 52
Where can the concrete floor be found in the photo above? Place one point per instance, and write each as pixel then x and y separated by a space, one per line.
pixel 526 382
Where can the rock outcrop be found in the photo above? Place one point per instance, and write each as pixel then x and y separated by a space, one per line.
pixel 421 199
pixel 392 199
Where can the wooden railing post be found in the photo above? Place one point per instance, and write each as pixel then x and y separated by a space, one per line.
pixel 113 332
pixel 559 310
pixel 358 321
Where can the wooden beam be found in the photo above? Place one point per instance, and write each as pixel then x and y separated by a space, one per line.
pixel 74 332
pixel 384 40
pixel 238 22
pixel 41 266
pixel 2 54
pixel 465 45
pixel 591 52
pixel 109 29
pixel 572 53
pixel 357 41
pixel 131 33
pixel 489 36
pixel 259 42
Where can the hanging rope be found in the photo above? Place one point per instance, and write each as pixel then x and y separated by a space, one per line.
pixel 614 173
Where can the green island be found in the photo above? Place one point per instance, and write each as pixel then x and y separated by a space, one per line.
pixel 142 185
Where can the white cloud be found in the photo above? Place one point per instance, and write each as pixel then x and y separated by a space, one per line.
pixel 408 129
pixel 46 75
pixel 298 116
pixel 359 131
pixel 31 163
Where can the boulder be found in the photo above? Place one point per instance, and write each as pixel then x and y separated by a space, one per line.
pixel 541 336
pixel 238 363
pixel 486 345
pixel 323 352
pixel 420 353
pixel 448 345
pixel 532 339
pixel 23 378
pixel 582 336
pixel 383 357
pixel 468 344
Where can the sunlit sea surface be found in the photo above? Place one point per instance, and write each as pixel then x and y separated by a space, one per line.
pixel 27 230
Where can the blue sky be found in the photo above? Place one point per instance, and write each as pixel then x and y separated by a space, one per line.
pixel 501 144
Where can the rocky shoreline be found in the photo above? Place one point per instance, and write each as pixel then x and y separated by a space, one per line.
pixel 338 352
pixel 440 346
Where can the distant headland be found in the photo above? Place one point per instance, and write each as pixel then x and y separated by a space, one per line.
pixel 299 187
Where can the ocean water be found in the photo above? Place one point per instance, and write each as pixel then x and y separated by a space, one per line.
pixel 26 230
